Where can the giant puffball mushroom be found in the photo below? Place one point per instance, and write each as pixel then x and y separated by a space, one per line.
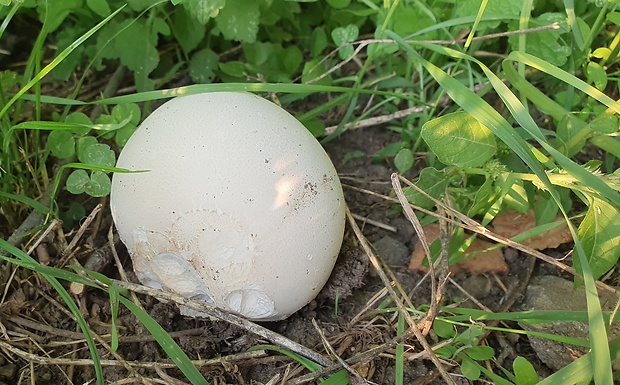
pixel 241 208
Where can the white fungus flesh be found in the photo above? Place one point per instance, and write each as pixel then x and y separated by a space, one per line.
pixel 240 208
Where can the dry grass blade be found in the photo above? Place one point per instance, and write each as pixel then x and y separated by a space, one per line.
pixel 399 303
pixel 471 225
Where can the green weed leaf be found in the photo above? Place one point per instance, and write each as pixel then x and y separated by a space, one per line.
pixel 77 181
pixel 404 160
pixel 202 66
pixel 343 36
pixel 548 44
pixel 79 118
pixel 81 144
pixel 431 181
pixel 459 139
pixel 339 4
pixel 605 124
pixel 203 10
pixel 597 75
pixel 188 31
pixel 61 144
pixel 470 369
pixel 318 41
pixel 525 373
pixel 100 155
pixel 134 43
pixel 443 329
pixel 480 353
pixel 54 12
pixel 99 184
pixel 239 20
pixel 600 236
pixel 100 7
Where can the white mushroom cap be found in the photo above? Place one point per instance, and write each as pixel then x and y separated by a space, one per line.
pixel 241 209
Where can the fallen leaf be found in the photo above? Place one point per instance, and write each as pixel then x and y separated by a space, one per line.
pixel 512 223
pixel 491 261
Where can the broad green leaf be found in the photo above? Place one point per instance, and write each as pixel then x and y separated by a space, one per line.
pixel 61 143
pixel 432 182
pixel 403 26
pixel 469 368
pixel 79 118
pixel 100 155
pixel 204 10
pixel 239 20
pixel 605 124
pixel 99 184
pixel 524 372
pixel 122 135
pixel 504 8
pixel 338 4
pixel 600 236
pixel 312 70
pixel 76 182
pixel 480 353
pixel 100 7
pixel 459 139
pixel 318 41
pixel 81 144
pixel 121 112
pixel 443 329
pixel 548 44
pixel 134 43
pixel 404 160
pixel 597 75
pixel 343 36
pixel 202 66
pixel 188 30
pixel 56 11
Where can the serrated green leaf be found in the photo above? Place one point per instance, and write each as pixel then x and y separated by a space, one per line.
pixel 188 31
pixel 61 143
pixel 161 27
pixel 239 20
pixel 204 10
pixel 100 155
pixel 202 66
pixel 459 139
pixel 480 353
pixel 100 7
pixel 432 182
pixel 134 43
pixel 56 11
pixel 525 373
pixel 404 160
pixel 76 182
pixel 99 184
pixel 600 236
pixel 547 44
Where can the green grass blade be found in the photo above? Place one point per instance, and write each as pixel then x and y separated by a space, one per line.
pixel 476 106
pixel 176 354
pixel 26 200
pixel 48 68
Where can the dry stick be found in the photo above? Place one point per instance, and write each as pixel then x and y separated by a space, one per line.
pixel 401 307
pixel 251 327
pixel 81 231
